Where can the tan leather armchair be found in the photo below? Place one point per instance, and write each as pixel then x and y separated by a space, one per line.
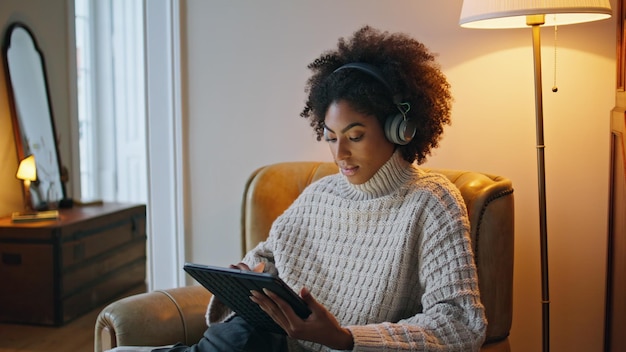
pixel 177 315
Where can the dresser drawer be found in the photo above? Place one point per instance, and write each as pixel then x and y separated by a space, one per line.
pixel 28 281
pixel 83 241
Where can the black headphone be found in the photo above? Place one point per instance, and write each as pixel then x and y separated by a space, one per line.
pixel 398 129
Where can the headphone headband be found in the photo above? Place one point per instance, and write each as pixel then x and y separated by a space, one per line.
pixel 368 68
pixel 374 72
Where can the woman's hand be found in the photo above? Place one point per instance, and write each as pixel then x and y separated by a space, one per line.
pixel 320 327
pixel 243 266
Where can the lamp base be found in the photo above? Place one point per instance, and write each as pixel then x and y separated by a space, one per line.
pixel 31 216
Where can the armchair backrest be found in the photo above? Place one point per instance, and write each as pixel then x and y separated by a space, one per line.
pixel 488 198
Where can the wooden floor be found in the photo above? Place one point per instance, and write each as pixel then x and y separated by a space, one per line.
pixel 75 336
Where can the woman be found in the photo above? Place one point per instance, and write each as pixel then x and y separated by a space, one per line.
pixel 381 251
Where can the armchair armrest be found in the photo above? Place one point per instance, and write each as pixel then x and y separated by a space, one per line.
pixel 157 318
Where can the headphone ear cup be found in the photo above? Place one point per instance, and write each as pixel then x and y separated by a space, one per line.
pixel 398 130
pixel 409 127
pixel 391 128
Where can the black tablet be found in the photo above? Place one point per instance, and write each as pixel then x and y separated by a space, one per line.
pixel 233 286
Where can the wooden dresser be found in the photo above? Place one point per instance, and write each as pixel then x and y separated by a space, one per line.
pixel 53 271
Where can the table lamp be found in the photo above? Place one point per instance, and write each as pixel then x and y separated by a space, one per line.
pixel 534 14
pixel 27 172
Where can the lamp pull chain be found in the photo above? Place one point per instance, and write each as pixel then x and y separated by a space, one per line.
pixel 554 86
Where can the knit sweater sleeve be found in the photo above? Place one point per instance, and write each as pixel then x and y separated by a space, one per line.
pixel 452 318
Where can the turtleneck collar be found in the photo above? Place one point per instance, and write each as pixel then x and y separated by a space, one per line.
pixel 393 174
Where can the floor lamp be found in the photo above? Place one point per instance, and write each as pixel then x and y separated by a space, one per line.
pixel 534 14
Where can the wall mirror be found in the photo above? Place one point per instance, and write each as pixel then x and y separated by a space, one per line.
pixel 33 123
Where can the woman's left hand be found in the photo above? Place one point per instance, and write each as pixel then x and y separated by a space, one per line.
pixel 320 327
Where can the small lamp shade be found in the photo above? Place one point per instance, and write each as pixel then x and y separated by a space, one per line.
pixel 27 170
pixel 513 13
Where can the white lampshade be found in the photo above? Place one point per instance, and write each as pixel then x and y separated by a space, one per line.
pixel 27 170
pixel 512 13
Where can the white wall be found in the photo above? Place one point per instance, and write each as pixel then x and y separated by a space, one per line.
pixel 244 68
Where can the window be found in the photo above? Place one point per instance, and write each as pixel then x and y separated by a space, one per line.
pixel 111 100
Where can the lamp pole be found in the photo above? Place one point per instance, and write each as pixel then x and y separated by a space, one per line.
pixel 536 21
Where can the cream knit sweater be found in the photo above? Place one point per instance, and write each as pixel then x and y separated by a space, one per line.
pixel 391 258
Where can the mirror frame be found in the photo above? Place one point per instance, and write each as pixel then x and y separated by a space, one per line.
pixel 44 125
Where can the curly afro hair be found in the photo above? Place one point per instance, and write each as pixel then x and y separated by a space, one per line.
pixel 407 66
